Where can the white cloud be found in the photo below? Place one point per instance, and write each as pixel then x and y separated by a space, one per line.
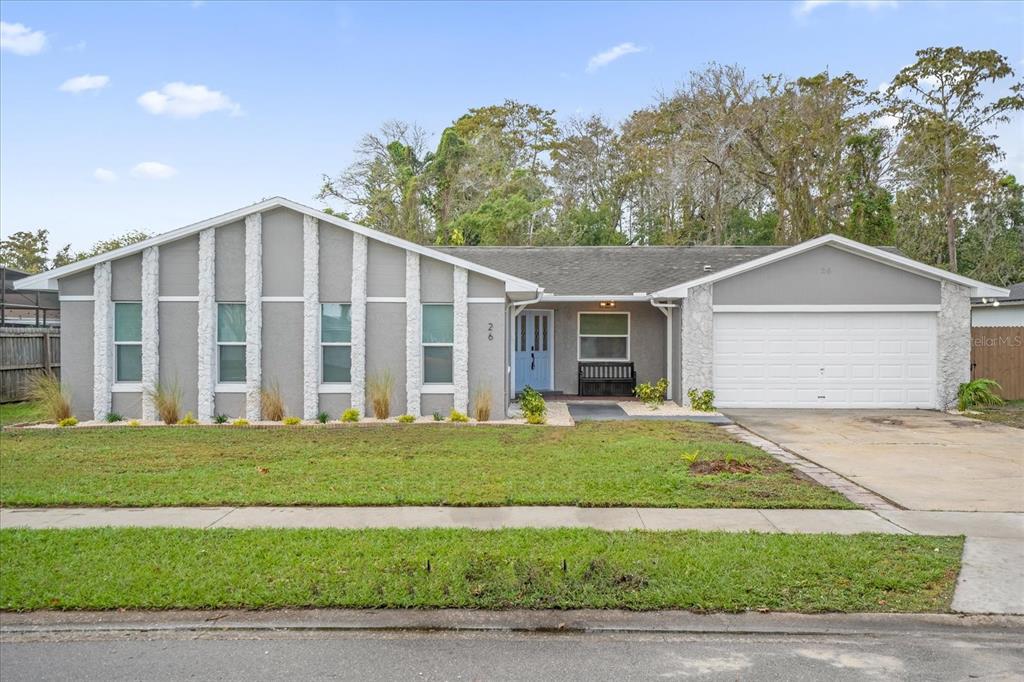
pixel 83 83
pixel 154 170
pixel 610 55
pixel 20 39
pixel 105 175
pixel 802 9
pixel 181 100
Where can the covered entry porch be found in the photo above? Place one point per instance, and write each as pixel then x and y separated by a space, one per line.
pixel 552 338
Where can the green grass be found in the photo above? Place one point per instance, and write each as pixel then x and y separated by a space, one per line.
pixel 1010 413
pixel 594 464
pixel 19 413
pixel 109 568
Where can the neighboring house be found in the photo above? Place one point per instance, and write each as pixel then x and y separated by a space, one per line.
pixel 997 350
pixel 1002 311
pixel 279 293
pixel 25 308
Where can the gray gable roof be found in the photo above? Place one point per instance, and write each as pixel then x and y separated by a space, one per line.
pixel 608 270
pixel 1016 294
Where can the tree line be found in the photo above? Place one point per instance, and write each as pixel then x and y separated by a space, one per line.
pixel 726 158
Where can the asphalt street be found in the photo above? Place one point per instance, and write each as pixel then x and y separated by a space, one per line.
pixel 495 655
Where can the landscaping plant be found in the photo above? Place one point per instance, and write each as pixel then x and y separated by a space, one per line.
pixel 482 404
pixel 220 419
pixel 188 419
pixel 291 421
pixel 378 390
pixel 978 392
pixel 323 417
pixel 350 415
pixel 272 403
pixel 438 417
pixel 241 421
pixel 457 416
pixel 652 396
pixel 702 401
pixel 134 422
pixel 114 417
pixel 406 419
pixel 534 408
pixel 68 421
pixel 167 399
pixel 46 391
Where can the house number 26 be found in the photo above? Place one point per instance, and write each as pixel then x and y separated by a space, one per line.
pixel 490 331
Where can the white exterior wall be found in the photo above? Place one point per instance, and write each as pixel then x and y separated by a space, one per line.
pixel 1006 315
pixel 954 342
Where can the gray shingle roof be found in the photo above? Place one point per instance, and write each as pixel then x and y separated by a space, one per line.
pixel 608 270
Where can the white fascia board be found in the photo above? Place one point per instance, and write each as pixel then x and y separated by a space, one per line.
pixel 48 279
pixel 569 298
pixel 885 257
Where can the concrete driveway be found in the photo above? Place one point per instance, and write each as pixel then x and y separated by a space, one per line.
pixel 918 459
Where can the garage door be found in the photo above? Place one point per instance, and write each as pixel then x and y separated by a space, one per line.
pixel 841 360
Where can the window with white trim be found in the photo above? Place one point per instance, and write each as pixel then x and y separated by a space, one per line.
pixel 335 343
pixel 230 343
pixel 603 336
pixel 438 342
pixel 127 342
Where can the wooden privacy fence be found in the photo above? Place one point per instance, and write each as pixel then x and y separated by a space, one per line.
pixel 998 353
pixel 25 351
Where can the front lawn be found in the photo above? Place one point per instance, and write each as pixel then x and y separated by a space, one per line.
pixel 20 413
pixel 110 568
pixel 1011 413
pixel 657 464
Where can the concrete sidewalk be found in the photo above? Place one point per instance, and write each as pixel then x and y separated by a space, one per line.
pixel 842 521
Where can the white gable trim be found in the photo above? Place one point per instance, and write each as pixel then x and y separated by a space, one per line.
pixel 48 280
pixel 977 288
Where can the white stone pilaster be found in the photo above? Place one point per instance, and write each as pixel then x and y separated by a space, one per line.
pixel 207 336
pixel 150 329
pixel 697 346
pixel 310 317
pixel 103 341
pixel 460 351
pixel 413 334
pixel 954 342
pixel 358 300
pixel 253 314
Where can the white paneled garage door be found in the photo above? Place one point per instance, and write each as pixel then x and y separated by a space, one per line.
pixel 815 359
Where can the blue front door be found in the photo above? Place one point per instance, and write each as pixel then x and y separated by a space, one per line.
pixel 534 340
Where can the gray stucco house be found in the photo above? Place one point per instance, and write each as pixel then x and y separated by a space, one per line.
pixel 280 293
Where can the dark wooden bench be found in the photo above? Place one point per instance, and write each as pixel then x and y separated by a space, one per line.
pixel 606 378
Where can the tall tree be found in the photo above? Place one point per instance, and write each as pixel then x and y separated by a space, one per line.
pixel 25 250
pixel 943 111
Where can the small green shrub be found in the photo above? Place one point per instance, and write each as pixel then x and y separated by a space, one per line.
pixel 350 415
pixel 456 416
pixel 291 421
pixel 534 408
pixel 323 417
pixel 114 417
pixel 188 419
pixel 67 421
pixel 240 422
pixel 978 392
pixel 220 419
pixel 702 401
pixel 652 396
pixel 438 417
pixel 134 422
pixel 406 419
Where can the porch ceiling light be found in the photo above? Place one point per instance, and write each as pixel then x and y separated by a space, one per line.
pixel 607 304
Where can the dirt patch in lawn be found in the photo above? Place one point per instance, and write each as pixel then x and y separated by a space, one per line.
pixel 720 466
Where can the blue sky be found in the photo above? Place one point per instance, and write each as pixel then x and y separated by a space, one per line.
pixel 269 96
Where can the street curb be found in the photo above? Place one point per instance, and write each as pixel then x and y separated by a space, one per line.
pixel 584 620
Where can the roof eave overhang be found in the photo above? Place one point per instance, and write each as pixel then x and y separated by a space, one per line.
pixel 977 289
pixel 48 280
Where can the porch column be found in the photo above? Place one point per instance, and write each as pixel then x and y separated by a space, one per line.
pixel 697 340
pixel 150 329
pixel 310 317
pixel 207 335
pixel 413 334
pixel 253 314
pixel 103 346
pixel 460 351
pixel 358 395
pixel 954 342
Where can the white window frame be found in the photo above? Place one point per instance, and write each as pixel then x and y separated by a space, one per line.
pixel 423 355
pixel 579 336
pixel 226 386
pixel 337 386
pixel 126 385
